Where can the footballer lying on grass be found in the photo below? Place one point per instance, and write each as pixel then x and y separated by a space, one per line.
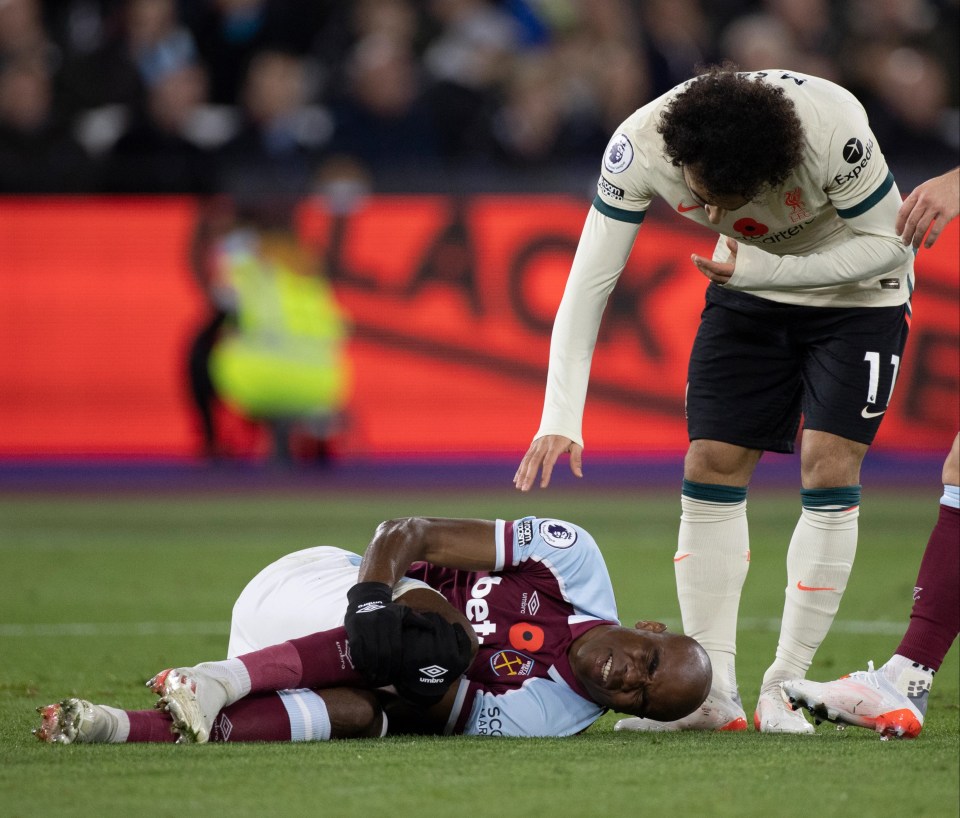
pixel 444 626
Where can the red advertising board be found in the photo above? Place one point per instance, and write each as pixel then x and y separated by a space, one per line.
pixel 451 302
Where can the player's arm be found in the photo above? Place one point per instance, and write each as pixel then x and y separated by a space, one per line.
pixel 862 190
pixel 602 253
pixel 450 543
pixel 874 249
pixel 392 641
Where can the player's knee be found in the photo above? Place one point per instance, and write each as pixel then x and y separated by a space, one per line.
pixel 828 460
pixel 369 720
pixel 710 461
pixel 353 713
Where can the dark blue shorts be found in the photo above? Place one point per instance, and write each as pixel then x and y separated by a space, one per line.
pixel 758 365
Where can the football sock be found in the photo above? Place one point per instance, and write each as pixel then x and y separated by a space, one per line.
pixel 819 560
pixel 232 676
pixel 935 617
pixel 149 726
pixel 713 555
pixel 288 715
pixel 912 679
pixel 319 660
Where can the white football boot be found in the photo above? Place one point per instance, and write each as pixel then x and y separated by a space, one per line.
pixel 720 712
pixel 79 721
pixel 775 715
pixel 865 698
pixel 193 696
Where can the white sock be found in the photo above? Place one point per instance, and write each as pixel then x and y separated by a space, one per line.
pixel 232 674
pixel 711 565
pixel 113 729
pixel 819 560
pixel 912 679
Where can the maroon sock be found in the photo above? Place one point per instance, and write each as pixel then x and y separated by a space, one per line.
pixel 255 718
pixel 150 725
pixel 935 618
pixel 319 660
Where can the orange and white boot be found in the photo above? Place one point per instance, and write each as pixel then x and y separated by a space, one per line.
pixel 865 698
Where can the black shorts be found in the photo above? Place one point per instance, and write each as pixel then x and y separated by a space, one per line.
pixel 756 365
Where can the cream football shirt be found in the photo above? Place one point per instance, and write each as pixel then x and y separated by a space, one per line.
pixel 825 237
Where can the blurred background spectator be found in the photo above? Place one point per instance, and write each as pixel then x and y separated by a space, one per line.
pixel 197 96
pixel 161 149
pixel 281 135
pixel 38 154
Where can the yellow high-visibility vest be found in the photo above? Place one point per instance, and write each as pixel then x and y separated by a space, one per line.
pixel 286 355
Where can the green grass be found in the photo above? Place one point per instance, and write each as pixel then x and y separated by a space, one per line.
pixel 154 579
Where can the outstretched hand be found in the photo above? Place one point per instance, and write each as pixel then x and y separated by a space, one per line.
pixel 718 272
pixel 931 206
pixel 542 456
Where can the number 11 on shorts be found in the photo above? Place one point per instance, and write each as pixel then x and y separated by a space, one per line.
pixel 873 359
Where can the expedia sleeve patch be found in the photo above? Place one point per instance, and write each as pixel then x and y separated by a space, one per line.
pixel 604 188
pixel 855 153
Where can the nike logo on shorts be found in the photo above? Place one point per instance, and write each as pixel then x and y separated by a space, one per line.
pixel 803 587
pixel 680 557
pixel 682 208
pixel 868 413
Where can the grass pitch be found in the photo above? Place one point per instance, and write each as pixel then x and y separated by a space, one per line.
pixel 98 593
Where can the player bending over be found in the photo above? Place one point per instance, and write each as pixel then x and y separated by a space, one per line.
pixel 445 626
pixel 806 316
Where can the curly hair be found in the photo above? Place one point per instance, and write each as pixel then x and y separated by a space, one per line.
pixel 741 134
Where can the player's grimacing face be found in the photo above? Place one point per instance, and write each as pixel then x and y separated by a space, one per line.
pixel 619 668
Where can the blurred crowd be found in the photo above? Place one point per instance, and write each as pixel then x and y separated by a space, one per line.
pixel 203 96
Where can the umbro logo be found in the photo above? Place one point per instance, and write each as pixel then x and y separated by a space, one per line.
pixel 529 603
pixel 224 727
pixel 370 607
pixel 433 674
